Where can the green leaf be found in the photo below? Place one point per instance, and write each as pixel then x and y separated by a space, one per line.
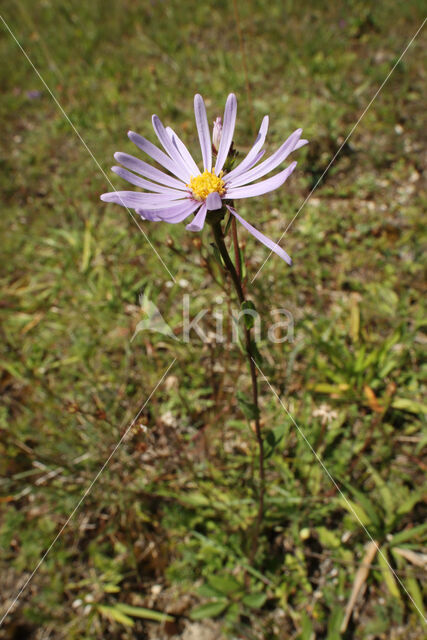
pixel 408 534
pixel 412 585
pixel 407 505
pixel 354 318
pixel 115 614
pixel 142 612
pixel 273 438
pixel 209 610
pixel 224 584
pixel 256 354
pixel 248 317
pixel 247 407
pixel 217 256
pixel 111 588
pixel 388 576
pixel 324 387
pixel 356 511
pixel 387 499
pixel 360 363
pixel 328 538
pixel 12 369
pixel 86 248
pixel 233 612
pixel 269 444
pixel 206 591
pixel 413 406
pixel 276 435
pixel 334 624
pixel 307 631
pixel 255 600
pixel 228 224
pixel 242 264
pixel 195 499
pixel 367 506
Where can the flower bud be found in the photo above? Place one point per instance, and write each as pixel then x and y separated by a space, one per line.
pixel 217 131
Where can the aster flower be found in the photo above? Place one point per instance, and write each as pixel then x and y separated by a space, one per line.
pixel 185 190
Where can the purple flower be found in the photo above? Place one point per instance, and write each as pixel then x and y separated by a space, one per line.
pixel 185 190
pixel 34 94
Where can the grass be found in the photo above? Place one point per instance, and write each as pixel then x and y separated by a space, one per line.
pixel 165 527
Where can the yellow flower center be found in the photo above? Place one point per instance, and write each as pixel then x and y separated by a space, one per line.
pixel 201 186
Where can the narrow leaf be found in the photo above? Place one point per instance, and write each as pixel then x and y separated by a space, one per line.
pixel 115 614
pixel 224 584
pixel 142 612
pixel 209 610
pixel 255 600
pixel 387 574
pixel 247 407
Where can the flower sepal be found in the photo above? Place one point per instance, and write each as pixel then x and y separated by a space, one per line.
pixel 213 217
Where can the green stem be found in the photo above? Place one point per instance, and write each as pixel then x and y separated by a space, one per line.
pixel 237 259
pixel 219 239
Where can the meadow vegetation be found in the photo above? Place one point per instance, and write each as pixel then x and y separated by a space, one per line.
pixel 159 548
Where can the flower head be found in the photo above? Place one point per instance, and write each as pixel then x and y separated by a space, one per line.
pixel 184 190
pixel 205 183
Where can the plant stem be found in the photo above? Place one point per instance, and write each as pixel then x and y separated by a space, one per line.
pixel 219 239
pixel 236 247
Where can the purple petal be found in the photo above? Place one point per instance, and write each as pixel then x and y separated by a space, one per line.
pixel 256 159
pixel 268 165
pixel 213 201
pixel 179 217
pixel 134 199
pixel 262 187
pixel 144 184
pixel 253 162
pixel 184 153
pixel 262 238
pixel 300 143
pixel 146 170
pixel 199 221
pixel 173 214
pixel 203 130
pixel 192 205
pixel 248 161
pixel 181 169
pixel 150 149
pixel 227 132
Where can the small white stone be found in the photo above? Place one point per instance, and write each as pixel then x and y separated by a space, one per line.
pixel 345 536
pixel 171 382
pixel 156 589
pixel 169 419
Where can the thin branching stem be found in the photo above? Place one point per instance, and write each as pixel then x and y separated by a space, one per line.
pixel 219 240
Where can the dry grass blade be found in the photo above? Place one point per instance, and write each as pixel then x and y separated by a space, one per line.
pixel 359 581
pixel 419 559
